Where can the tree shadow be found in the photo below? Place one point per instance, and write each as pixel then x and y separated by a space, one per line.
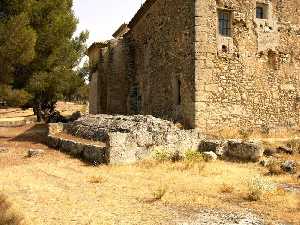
pixel 36 134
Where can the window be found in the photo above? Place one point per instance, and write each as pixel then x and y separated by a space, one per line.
pixel 261 11
pixel 225 23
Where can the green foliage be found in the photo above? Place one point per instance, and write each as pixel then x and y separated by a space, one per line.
pixel 38 51
pixel 14 97
pixel 193 156
pixel 161 155
pixel 17 38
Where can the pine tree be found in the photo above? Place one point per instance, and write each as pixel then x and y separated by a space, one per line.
pixel 17 38
pixel 38 50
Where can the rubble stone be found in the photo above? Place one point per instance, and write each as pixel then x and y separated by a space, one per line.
pixel 35 152
pixel 244 150
pixel 289 166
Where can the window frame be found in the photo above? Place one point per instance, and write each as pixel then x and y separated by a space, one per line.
pixel 224 23
pixel 264 14
pixel 260 14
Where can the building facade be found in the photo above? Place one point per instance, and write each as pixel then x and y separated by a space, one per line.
pixel 207 64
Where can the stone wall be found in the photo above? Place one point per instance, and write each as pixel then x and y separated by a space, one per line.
pixel 93 96
pixel 114 80
pixel 163 40
pixel 254 81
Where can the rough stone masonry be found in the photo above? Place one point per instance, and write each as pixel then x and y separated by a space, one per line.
pixel 207 64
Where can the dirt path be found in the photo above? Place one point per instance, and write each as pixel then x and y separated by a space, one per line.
pixel 56 189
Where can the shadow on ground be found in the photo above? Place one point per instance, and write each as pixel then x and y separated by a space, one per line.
pixel 35 134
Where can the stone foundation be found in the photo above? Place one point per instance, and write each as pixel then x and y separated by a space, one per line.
pixel 127 139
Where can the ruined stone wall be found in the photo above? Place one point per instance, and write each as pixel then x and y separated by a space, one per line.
pixel 93 95
pixel 114 78
pixel 112 82
pixel 250 79
pixel 94 57
pixel 163 60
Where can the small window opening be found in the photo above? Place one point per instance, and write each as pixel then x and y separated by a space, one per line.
pixel 224 23
pixel 178 92
pixel 261 11
pixel 224 49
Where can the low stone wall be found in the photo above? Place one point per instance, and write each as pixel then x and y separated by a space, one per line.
pixel 127 139
pixel 132 138
pixel 92 153
pixel 18 122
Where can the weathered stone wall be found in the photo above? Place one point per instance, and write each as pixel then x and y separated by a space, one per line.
pixel 94 56
pixel 163 43
pixel 114 80
pixel 251 79
pixel 93 96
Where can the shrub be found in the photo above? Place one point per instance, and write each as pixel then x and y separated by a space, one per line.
pixel 161 155
pixel 7 216
pixel 97 180
pixel 295 145
pixel 258 187
pixel 193 156
pixel 14 97
pixel 226 188
pixel 275 168
pixel 159 193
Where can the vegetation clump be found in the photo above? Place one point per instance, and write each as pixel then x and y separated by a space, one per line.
pixel 259 187
pixel 39 55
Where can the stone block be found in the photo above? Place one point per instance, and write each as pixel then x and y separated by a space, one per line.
pixel 209 156
pixel 95 154
pixel 249 151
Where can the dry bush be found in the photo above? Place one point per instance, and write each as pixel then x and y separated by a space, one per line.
pixel 295 145
pixel 159 193
pixel 259 188
pixel 97 180
pixel 226 188
pixel 275 168
pixel 7 215
pixel 189 166
pixel 147 164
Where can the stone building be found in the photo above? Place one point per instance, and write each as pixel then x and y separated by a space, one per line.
pixel 209 64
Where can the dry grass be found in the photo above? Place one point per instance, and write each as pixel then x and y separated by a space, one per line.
pixel 80 194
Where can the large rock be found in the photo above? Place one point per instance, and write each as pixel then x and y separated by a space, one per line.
pixel 270 152
pixel 96 155
pixel 289 166
pixel 209 156
pixel 244 150
pixel 35 152
pixel 286 150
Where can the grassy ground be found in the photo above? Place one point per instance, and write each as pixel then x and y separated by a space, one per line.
pixel 56 189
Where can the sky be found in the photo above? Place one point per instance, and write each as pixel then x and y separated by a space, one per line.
pixel 103 17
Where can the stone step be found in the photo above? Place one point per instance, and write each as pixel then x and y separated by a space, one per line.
pixel 92 153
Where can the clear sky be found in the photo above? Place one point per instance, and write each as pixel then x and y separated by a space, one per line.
pixel 103 17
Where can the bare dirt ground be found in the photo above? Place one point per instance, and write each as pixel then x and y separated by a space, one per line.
pixel 55 189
